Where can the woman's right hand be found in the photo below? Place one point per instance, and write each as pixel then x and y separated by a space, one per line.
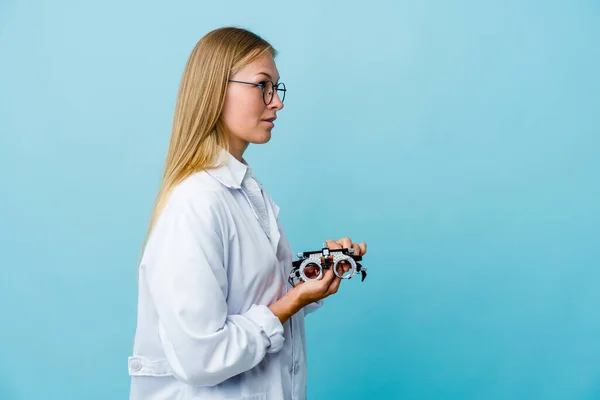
pixel 314 290
pixel 305 293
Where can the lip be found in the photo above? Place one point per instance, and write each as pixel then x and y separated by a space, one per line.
pixel 270 121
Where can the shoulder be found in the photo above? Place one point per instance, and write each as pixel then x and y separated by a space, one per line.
pixel 198 197
pixel 193 217
pixel 198 187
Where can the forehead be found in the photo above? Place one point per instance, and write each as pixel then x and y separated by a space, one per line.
pixel 264 64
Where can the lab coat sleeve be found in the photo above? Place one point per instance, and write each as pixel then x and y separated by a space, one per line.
pixel 186 276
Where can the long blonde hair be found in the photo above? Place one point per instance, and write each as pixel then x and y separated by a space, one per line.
pixel 198 132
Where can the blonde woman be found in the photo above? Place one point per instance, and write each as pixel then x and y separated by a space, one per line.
pixel 216 318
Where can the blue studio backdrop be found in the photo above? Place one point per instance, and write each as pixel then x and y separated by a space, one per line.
pixel 459 139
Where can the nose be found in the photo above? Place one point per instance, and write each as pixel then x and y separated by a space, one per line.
pixel 276 103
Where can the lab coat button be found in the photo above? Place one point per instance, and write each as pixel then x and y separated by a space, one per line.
pixel 136 366
pixel 296 368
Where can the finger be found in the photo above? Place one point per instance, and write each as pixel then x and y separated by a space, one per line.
pixel 345 266
pixel 328 277
pixel 363 248
pixel 328 273
pixel 357 249
pixel 311 271
pixel 340 268
pixel 346 243
pixel 334 286
pixel 333 245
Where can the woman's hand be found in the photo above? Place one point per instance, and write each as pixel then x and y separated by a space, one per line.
pixel 329 283
pixel 305 293
pixel 346 243
pixel 315 290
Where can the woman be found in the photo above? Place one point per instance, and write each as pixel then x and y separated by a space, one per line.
pixel 216 318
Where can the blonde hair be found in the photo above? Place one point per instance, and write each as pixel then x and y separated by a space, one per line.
pixel 198 132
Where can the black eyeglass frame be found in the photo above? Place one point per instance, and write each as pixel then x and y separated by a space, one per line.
pixel 263 86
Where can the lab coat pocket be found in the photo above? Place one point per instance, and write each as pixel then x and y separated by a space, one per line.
pixel 141 366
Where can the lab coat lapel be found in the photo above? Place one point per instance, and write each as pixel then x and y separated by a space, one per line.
pixel 273 224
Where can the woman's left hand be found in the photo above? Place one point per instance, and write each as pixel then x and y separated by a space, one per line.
pixel 346 243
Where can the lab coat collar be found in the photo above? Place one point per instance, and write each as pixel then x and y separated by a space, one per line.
pixel 232 171
pixel 231 174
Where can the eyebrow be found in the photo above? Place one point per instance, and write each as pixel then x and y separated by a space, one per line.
pixel 266 74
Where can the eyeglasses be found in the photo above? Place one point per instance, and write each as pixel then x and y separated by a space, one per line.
pixel 268 88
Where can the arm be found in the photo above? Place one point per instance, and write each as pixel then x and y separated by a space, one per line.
pixel 186 276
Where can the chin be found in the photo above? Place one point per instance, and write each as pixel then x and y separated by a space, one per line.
pixel 261 139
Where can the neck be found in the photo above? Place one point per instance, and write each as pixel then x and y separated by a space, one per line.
pixel 237 149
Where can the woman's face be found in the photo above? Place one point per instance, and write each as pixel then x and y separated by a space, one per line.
pixel 245 114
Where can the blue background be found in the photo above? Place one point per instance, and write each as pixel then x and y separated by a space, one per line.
pixel 459 139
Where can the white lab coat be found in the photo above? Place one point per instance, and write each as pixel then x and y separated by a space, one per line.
pixel 207 276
